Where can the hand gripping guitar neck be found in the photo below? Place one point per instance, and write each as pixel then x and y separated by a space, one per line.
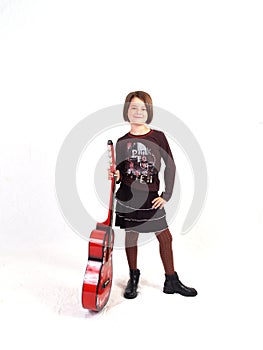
pixel 98 275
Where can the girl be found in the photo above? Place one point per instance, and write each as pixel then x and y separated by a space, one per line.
pixel 139 207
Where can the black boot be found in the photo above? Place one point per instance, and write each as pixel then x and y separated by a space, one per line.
pixel 131 289
pixel 173 285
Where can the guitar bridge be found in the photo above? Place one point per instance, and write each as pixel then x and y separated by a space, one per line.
pixel 104 285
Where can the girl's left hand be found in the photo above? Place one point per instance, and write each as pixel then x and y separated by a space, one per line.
pixel 158 202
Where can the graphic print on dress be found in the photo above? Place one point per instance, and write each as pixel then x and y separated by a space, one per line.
pixel 141 162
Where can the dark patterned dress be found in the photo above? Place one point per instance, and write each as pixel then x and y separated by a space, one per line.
pixel 138 158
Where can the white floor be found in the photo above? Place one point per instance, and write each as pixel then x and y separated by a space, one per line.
pixel 41 284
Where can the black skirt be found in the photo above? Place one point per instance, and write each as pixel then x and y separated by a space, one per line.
pixel 134 211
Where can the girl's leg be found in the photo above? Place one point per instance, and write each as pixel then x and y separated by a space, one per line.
pixel 172 283
pixel 166 252
pixel 131 239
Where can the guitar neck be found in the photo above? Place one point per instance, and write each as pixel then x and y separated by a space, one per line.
pixel 108 221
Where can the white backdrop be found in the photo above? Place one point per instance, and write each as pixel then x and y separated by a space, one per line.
pixel 63 60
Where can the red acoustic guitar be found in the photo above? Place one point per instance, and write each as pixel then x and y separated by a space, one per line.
pixel 98 275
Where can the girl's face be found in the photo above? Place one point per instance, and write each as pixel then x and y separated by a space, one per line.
pixel 137 112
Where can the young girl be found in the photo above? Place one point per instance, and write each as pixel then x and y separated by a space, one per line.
pixel 139 207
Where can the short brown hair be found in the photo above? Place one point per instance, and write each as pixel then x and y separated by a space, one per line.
pixel 146 98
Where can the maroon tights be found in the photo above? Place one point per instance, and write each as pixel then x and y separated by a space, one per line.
pixel 165 247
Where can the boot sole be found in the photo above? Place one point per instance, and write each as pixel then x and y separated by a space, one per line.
pixel 167 291
pixel 130 297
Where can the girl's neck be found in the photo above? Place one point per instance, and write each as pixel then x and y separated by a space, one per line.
pixel 139 129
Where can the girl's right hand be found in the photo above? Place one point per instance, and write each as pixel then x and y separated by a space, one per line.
pixel 117 173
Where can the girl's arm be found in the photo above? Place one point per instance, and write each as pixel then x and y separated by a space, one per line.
pixel 170 168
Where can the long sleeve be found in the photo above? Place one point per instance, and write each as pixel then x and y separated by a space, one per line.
pixel 170 169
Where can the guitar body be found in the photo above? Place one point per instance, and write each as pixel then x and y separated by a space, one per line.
pixel 98 275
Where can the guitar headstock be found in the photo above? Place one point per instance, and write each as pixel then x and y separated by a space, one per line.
pixel 111 156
